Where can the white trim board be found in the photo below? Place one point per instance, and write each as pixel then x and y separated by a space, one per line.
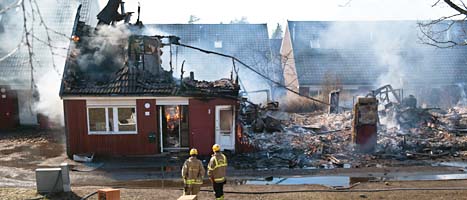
pixel 132 101
pixel 110 102
pixel 172 101
pixel 121 98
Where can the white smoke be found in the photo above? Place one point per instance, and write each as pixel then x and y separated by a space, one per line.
pixel 106 46
pixel 50 58
pixel 384 39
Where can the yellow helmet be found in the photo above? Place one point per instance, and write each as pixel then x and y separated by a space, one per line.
pixel 216 147
pixel 193 152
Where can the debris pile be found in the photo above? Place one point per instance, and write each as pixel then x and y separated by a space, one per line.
pixel 322 140
pixel 455 120
pixel 221 84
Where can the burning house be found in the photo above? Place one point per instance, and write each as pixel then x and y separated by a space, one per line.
pixel 121 98
pixel 21 82
pixel 361 56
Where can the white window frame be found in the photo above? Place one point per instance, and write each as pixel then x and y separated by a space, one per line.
pixel 314 43
pixel 218 44
pixel 115 120
pixel 218 108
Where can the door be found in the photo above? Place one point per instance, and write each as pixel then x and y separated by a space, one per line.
pixel 225 127
pixel 202 126
pixel 9 117
pixel 174 128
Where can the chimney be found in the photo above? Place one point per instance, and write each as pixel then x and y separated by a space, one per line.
pixel 192 76
pixel 122 7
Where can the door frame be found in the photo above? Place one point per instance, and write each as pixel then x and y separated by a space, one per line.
pixel 159 119
pixel 218 108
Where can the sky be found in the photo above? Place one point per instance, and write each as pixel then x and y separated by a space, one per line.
pixel 274 11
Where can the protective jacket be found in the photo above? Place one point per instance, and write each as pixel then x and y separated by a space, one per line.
pixel 193 171
pixel 217 167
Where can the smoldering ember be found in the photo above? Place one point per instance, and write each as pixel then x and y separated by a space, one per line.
pixel 103 101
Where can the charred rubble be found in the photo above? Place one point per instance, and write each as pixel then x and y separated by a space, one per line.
pixel 321 139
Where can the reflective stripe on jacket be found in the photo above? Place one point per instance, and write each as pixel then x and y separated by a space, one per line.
pixel 217 167
pixel 193 171
pixel 193 181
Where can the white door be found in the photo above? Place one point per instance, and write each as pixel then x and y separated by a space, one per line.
pixel 225 131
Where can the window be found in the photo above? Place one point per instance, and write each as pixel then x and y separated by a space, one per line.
pixel 126 119
pixel 315 43
pixel 226 117
pixel 97 120
pixel 218 44
pixel 3 93
pixel 448 34
pixel 112 120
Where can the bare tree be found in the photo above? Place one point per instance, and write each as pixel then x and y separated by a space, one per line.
pixel 267 63
pixel 278 32
pixel 33 18
pixel 193 19
pixel 438 32
pixel 243 20
pixel 331 81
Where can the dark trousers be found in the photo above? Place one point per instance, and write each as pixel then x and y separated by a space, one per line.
pixel 218 189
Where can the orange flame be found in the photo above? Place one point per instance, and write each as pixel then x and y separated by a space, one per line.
pixel 172 116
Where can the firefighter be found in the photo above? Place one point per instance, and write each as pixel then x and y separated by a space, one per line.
pixel 217 170
pixel 192 173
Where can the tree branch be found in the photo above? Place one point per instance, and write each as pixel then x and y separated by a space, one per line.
pixel 456 7
pixel 10 53
pixel 11 6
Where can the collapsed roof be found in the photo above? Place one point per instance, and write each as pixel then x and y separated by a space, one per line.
pixel 113 61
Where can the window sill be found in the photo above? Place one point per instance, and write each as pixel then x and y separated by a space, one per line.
pixel 112 133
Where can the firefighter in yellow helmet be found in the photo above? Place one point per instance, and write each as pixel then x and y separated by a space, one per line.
pixel 192 173
pixel 217 170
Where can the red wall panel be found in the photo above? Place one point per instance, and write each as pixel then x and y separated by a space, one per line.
pixel 201 117
pixel 202 122
pixel 148 124
pixel 9 115
pixel 119 144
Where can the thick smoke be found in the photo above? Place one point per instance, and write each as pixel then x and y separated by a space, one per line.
pixel 383 40
pixel 59 18
pixel 393 53
pixel 103 53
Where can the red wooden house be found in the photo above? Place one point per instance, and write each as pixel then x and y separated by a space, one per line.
pixel 127 104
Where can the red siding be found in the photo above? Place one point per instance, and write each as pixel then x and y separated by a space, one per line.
pixel 201 126
pixel 202 122
pixel 128 144
pixel 9 115
pixel 147 125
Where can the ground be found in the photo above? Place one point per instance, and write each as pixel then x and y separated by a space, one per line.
pixel 158 177
pixel 359 192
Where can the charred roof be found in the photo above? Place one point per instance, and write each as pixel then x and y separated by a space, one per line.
pixel 113 61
